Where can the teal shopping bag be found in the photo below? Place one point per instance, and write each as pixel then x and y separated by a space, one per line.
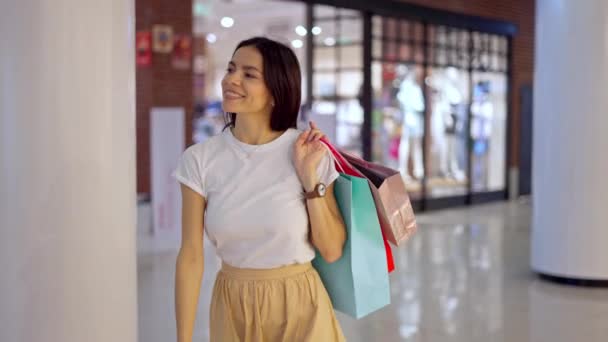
pixel 357 283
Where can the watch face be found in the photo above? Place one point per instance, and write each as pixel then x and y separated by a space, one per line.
pixel 322 189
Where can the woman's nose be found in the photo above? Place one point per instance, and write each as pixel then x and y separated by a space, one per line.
pixel 233 78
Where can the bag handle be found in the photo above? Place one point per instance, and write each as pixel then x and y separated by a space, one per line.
pixel 345 166
pixel 333 156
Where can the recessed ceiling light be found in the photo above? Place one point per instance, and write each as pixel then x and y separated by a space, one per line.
pixel 329 41
pixel 227 22
pixel 316 30
pixel 296 43
pixel 211 38
pixel 301 30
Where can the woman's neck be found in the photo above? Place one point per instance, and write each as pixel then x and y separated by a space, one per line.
pixel 253 130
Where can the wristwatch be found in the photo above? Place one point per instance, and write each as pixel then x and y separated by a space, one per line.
pixel 319 191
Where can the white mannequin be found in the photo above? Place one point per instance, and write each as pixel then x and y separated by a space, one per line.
pixel 450 98
pixel 440 112
pixel 411 100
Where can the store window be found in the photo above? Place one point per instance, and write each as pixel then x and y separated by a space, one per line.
pixel 399 104
pixel 448 84
pixel 439 106
pixel 338 76
pixel 489 112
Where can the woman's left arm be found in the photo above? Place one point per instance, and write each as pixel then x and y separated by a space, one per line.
pixel 327 229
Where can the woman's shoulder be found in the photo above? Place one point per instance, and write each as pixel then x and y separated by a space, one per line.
pixel 294 133
pixel 209 146
pixel 290 137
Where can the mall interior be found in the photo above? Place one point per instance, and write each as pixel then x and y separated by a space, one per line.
pixel 490 110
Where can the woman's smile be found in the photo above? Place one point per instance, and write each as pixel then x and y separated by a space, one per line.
pixel 232 95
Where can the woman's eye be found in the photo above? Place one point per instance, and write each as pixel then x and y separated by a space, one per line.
pixel 249 75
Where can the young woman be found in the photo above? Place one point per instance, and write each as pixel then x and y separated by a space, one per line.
pixel 263 191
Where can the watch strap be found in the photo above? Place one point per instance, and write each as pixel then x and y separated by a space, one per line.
pixel 313 194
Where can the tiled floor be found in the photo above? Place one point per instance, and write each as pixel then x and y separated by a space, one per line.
pixel 464 277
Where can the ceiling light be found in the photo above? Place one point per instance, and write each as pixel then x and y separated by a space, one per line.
pixel 227 22
pixel 301 30
pixel 296 43
pixel 211 38
pixel 329 41
pixel 316 30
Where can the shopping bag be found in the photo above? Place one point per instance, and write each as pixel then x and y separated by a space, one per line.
pixel 357 283
pixel 396 213
pixel 345 167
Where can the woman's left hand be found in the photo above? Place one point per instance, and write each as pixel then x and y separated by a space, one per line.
pixel 307 154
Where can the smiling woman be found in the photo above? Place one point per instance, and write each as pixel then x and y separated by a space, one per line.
pixel 263 192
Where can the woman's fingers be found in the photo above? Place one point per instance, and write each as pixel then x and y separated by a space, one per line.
pixel 303 138
pixel 311 135
pixel 315 133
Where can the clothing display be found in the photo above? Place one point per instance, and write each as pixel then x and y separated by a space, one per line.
pixel 256 214
pixel 411 100
pixel 482 112
pixel 448 122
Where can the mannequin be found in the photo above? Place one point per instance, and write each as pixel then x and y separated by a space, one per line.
pixel 482 112
pixel 411 101
pixel 450 102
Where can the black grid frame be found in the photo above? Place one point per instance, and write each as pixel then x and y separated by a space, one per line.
pixel 415 35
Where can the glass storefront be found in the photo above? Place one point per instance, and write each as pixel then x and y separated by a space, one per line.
pixel 418 95
pixel 338 76
pixel 398 120
pixel 448 91
pixel 439 112
pixel 488 131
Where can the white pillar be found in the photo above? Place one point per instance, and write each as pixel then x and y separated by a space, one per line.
pixel 67 171
pixel 570 157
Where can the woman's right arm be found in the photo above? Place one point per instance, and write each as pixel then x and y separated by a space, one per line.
pixel 190 263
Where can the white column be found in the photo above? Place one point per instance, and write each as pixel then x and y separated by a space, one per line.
pixel 570 156
pixel 67 171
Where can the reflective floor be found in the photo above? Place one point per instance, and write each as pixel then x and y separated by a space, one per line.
pixel 464 277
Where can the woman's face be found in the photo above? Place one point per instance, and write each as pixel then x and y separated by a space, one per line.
pixel 243 87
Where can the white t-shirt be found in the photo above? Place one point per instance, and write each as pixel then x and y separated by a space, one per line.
pixel 256 212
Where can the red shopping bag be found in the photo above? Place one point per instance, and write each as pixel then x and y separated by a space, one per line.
pixel 345 167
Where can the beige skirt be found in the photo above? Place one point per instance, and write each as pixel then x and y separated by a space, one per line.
pixel 283 304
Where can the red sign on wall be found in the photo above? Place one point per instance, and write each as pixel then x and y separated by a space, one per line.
pixel 143 48
pixel 182 51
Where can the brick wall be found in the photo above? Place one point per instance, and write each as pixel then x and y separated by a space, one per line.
pixel 160 84
pixel 520 13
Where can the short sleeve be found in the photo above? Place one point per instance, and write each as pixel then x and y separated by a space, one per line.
pixel 188 171
pixel 327 170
